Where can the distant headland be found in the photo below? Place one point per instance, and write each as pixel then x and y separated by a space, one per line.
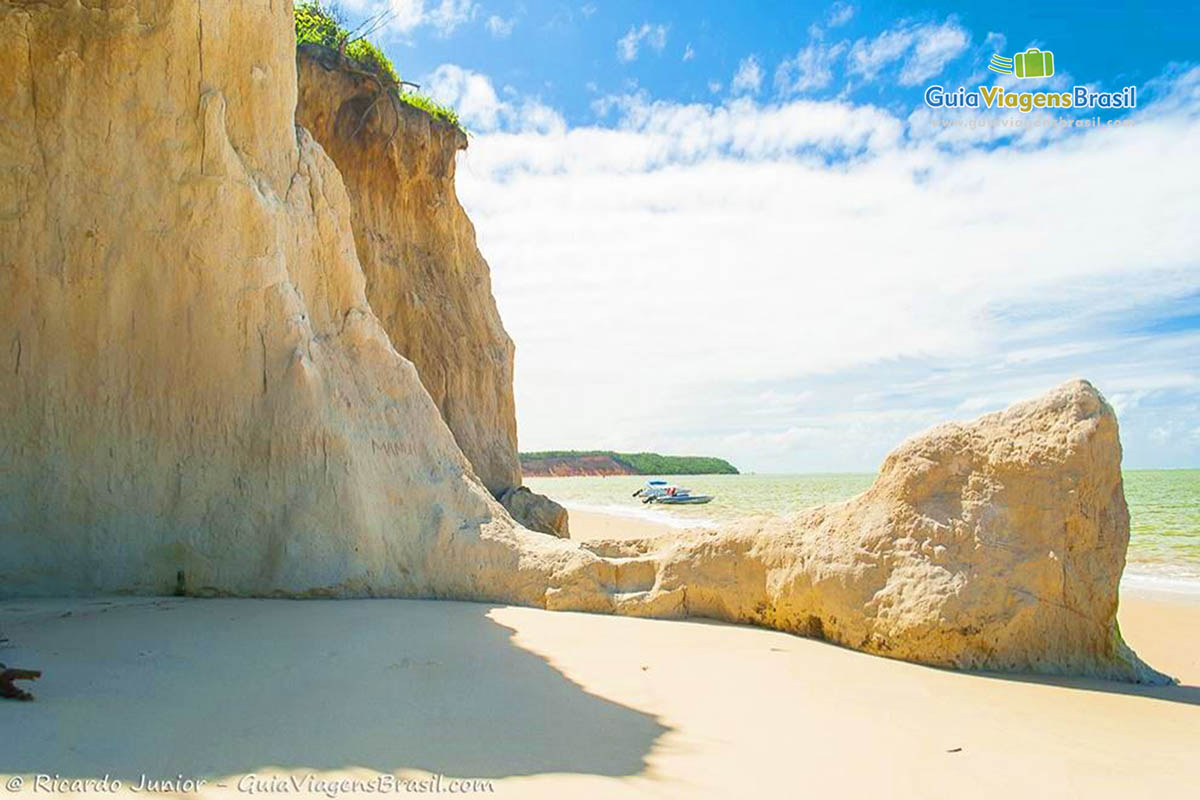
pixel 607 462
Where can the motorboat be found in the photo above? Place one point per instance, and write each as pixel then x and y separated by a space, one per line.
pixel 651 490
pixel 685 498
pixel 669 494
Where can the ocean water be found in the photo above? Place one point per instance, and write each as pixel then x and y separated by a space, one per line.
pixel 1164 509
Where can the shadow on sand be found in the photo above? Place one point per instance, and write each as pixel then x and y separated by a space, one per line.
pixel 208 688
pixel 1174 693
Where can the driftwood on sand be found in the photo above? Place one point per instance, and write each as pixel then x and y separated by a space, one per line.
pixel 12 692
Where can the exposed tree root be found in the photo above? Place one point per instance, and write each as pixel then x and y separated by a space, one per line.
pixel 331 60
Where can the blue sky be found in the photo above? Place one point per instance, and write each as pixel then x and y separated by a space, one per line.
pixel 567 53
pixel 734 228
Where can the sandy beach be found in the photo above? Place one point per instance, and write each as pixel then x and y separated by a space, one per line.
pixel 587 525
pixel 544 704
pixel 323 320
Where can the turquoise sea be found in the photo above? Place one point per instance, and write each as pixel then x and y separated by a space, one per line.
pixel 1164 508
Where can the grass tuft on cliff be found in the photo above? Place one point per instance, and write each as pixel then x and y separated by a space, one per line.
pixel 323 24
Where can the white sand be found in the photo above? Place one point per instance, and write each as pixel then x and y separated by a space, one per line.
pixel 573 705
pixel 586 525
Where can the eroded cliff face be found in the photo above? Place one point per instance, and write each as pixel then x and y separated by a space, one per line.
pixel 198 393
pixel 200 397
pixel 426 280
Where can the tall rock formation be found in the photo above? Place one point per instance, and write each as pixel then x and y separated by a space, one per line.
pixel 199 397
pixel 425 278
pixel 198 393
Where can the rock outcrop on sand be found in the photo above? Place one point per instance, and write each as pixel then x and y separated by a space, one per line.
pixel 200 396
pixel 536 512
pixel 996 544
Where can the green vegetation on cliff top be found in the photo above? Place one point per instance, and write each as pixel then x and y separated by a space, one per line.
pixel 322 24
pixel 644 463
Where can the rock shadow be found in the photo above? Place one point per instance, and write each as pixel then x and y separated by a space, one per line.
pixel 211 688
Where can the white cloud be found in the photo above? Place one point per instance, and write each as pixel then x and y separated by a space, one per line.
pixel 869 56
pixel 588 9
pixel 935 46
pixel 470 93
pixel 812 68
pixel 840 13
pixel 653 36
pixel 667 278
pixel 404 16
pixel 921 50
pixel 748 78
pixel 715 87
pixel 925 49
pixel 449 14
pixel 479 106
pixel 500 27
pixel 688 52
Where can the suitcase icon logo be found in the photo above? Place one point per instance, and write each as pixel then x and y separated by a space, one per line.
pixel 1033 63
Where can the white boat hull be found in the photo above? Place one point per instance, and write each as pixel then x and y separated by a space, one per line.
pixel 681 500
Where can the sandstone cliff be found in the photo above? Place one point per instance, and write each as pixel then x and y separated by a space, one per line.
pixel 199 393
pixel 425 278
pixel 201 397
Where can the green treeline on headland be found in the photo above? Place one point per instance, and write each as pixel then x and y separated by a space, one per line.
pixel 636 463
